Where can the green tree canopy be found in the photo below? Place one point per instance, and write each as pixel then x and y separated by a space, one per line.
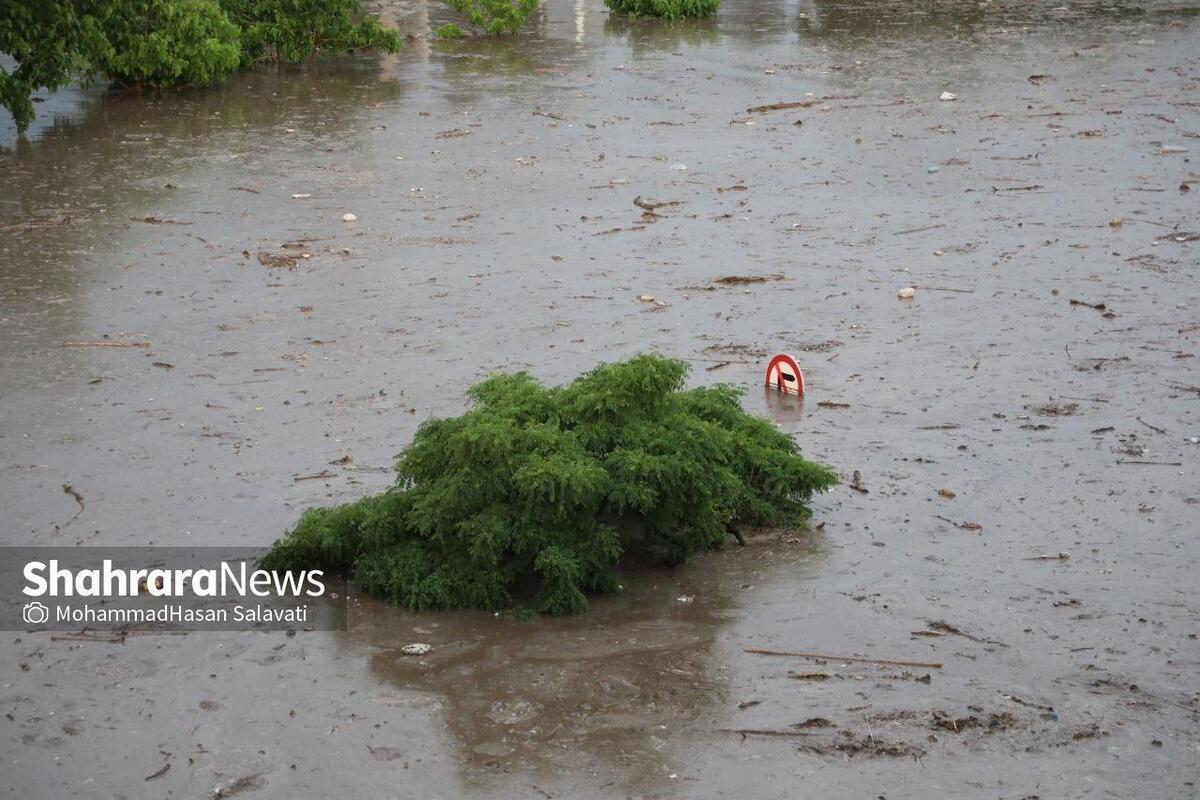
pixel 163 43
pixel 52 42
pixel 668 9
pixel 528 491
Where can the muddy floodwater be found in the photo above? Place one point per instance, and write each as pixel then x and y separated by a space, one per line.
pixel 1024 428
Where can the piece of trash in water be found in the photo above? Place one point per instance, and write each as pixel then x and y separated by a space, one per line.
pixel 653 205
pixel 685 598
pixel 946 493
pixel 931 170
pixel 1116 222
pixel 1172 148
pixel 1054 409
pixel 416 649
pixel 733 280
pixel 280 260
pixel 907 293
pixel 349 217
pixel 679 167
pixel 301 196
pixel 649 298
pixel 948 96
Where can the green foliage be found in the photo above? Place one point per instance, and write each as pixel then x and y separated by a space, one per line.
pixel 52 42
pixel 291 31
pixel 496 17
pixel 449 31
pixel 171 42
pixel 163 43
pixel 524 493
pixel 668 9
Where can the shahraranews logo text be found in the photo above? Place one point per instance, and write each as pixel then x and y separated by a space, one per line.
pixel 48 579
pixel 179 615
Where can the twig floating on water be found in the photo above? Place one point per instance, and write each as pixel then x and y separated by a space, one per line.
pixel 944 289
pixel 974 527
pixel 113 637
pixel 78 499
pixel 159 221
pixel 766 732
pixel 316 476
pixel 620 230
pixel 1151 427
pixel 860 659
pixel 105 344
pixel 654 205
pixel 159 773
pixel 919 230
pixel 781 106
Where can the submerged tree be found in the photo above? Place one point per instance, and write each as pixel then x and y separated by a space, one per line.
pixel 164 43
pixel 668 9
pixel 531 491
pixel 495 17
pixel 158 43
pixel 52 42
pixel 290 31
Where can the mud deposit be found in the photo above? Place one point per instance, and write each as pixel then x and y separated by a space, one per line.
pixel 1037 396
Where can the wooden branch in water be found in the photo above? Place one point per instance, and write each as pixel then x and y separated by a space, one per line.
pixel 105 344
pixel 826 657
pixel 766 732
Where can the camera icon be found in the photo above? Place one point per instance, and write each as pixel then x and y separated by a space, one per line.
pixel 35 613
